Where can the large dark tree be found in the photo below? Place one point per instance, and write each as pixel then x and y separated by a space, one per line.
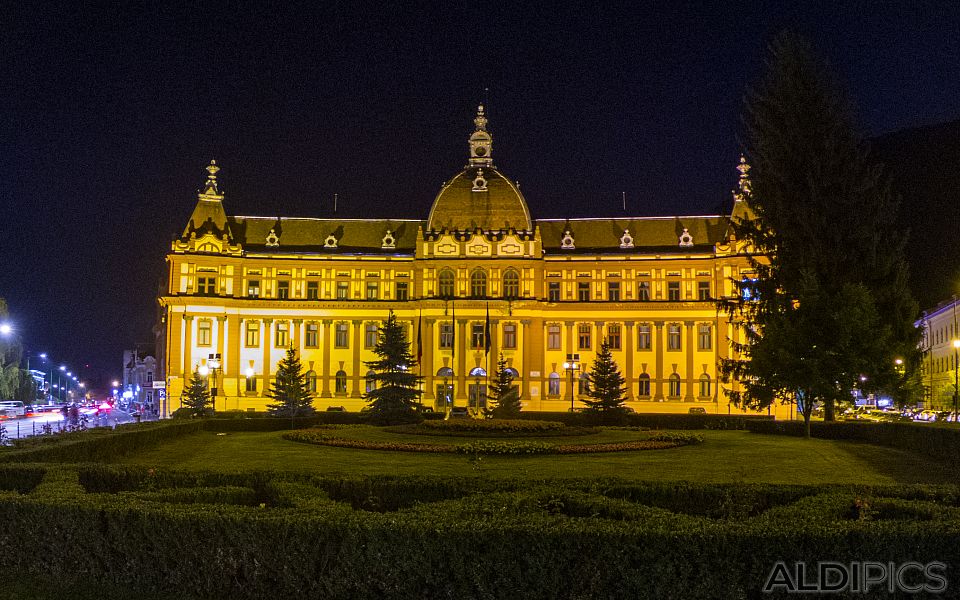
pixel 605 385
pixel 396 392
pixel 504 394
pixel 291 390
pixel 827 308
pixel 196 398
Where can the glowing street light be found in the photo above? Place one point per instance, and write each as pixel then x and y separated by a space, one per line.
pixel 6 328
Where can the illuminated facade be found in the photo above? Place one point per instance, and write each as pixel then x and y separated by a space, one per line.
pixel 940 362
pixel 243 289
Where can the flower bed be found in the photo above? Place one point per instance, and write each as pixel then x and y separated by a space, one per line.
pixel 502 448
pixel 493 426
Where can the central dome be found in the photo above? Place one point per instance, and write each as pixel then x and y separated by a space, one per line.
pixel 479 196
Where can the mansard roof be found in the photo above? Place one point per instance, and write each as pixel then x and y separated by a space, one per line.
pixel 649 234
pixel 301 235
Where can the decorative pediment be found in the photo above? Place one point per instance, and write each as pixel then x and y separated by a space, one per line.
pixel 272 240
pixel 388 240
pixel 686 240
pixel 626 240
pixel 566 242
pixel 208 243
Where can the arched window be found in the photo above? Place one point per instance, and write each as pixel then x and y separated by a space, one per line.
pixel 444 398
pixel 643 389
pixel 674 391
pixel 583 384
pixel 371 382
pixel 311 378
pixel 478 372
pixel 341 382
pixel 553 385
pixel 511 284
pixel 705 386
pixel 447 283
pixel 512 373
pixel 445 372
pixel 478 284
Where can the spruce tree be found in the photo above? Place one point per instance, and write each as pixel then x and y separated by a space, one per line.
pixel 504 395
pixel 828 302
pixel 196 398
pixel 290 390
pixel 396 392
pixel 605 385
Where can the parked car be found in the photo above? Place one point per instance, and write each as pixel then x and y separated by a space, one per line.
pixel 459 412
pixel 697 410
pixel 336 409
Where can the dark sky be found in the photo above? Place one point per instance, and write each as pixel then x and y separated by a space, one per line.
pixel 107 119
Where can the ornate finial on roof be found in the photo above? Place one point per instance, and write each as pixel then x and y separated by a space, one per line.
pixel 743 184
pixel 481 142
pixel 211 185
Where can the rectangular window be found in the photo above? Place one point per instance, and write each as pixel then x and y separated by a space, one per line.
pixel 476 335
pixel 370 334
pixel 402 293
pixel 673 291
pixel 149 376
pixel 373 290
pixel 673 336
pixel 253 334
pixel 643 388
pixel 613 337
pixel 553 291
pixel 253 288
pixel 510 335
pixel 251 383
pixel 206 286
pixel 613 291
pixel 583 336
pixel 343 290
pixel 282 338
pixel 313 290
pixel 643 336
pixel 704 337
pixel 643 291
pixel 204 327
pixel 283 289
pixel 703 290
pixel 341 337
pixel 446 335
pixel 553 337
pixel 583 291
pixel 313 335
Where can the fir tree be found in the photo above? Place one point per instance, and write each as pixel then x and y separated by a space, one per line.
pixel 829 301
pixel 196 398
pixel 605 385
pixel 503 393
pixel 290 390
pixel 396 390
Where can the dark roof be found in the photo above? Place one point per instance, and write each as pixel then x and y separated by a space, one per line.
pixel 309 235
pixel 657 234
pixel 500 206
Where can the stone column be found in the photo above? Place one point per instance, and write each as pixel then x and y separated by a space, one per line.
pixel 461 367
pixel 525 364
pixel 357 341
pixel 658 349
pixel 187 349
pixel 427 367
pixel 221 377
pixel 569 346
pixel 689 350
pixel 267 345
pixel 297 336
pixel 627 342
pixel 235 330
pixel 325 391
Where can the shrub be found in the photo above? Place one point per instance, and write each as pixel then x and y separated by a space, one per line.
pixel 506 448
pixel 679 438
pixel 493 426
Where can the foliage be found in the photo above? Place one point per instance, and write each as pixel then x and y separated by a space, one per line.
pixel 494 425
pixel 505 448
pixel 829 302
pixel 290 390
pixel 606 385
pixel 396 392
pixel 196 398
pixel 678 437
pixel 504 395
pixel 10 354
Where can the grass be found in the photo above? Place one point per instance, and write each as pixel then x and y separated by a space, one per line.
pixel 725 456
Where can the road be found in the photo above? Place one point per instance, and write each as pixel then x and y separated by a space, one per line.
pixel 27 426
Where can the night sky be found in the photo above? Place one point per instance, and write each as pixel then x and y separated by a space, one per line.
pixel 108 118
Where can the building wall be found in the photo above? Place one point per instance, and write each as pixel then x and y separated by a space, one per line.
pixel 940 363
pixel 250 334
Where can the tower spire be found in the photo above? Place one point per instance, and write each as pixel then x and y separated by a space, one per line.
pixel 743 183
pixel 211 185
pixel 481 142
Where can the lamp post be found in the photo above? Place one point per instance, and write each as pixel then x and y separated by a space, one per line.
pixel 571 365
pixel 211 368
pixel 956 376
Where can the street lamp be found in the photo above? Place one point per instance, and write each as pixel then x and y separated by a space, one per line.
pixel 571 365
pixel 6 328
pixel 214 361
pixel 956 377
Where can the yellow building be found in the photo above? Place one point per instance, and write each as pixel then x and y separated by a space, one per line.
pixel 941 344
pixel 243 289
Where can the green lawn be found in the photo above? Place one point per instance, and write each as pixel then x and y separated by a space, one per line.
pixel 726 456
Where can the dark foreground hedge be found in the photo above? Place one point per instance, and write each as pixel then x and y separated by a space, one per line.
pixel 650 420
pixel 267 535
pixel 941 441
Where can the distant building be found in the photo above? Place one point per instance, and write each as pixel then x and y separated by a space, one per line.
pixel 941 337
pixel 242 289
pixel 138 376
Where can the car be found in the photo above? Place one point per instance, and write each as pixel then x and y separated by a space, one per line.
pixel 697 410
pixel 336 409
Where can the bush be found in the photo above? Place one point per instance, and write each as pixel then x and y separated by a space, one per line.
pixel 453 537
pixel 681 439
pixel 494 426
pixel 505 448
pixel 940 441
pixel 653 420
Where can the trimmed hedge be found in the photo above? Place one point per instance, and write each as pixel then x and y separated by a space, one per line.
pixel 651 420
pixel 427 538
pixel 494 425
pixel 940 441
